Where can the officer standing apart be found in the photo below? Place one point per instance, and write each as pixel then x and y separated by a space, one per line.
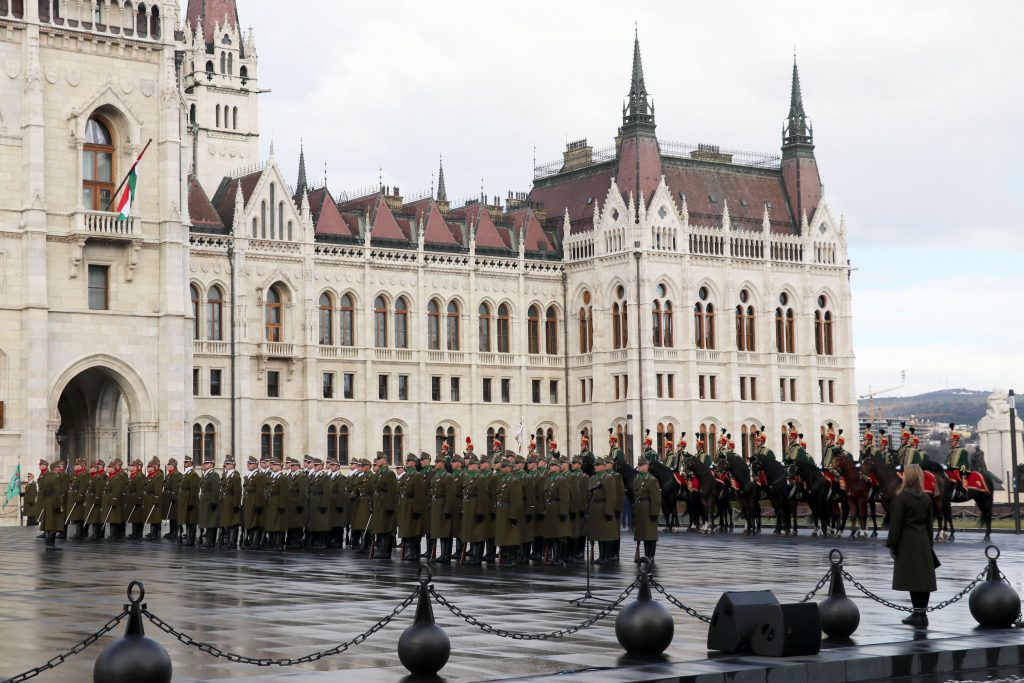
pixel 646 508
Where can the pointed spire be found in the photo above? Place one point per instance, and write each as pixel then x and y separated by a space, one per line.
pixel 797 131
pixel 442 194
pixel 639 108
pixel 300 185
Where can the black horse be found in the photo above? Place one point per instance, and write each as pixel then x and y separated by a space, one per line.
pixel 747 495
pixel 816 491
pixel 669 492
pixel 779 490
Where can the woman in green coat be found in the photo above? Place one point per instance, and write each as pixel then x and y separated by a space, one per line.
pixel 910 544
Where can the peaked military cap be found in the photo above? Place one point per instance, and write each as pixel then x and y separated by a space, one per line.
pixel 154 462
pixel 252 460
pixel 333 460
pixel 187 458
pixel 172 462
pixel 229 459
pixel 43 462
pixel 208 458
pixel 425 456
pixel 307 458
pixel 411 456
pixel 317 461
pixel 291 461
pixel 100 463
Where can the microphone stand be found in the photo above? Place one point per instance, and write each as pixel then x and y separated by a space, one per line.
pixel 589 555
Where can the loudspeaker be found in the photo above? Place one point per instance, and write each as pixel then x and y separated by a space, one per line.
pixel 793 630
pixel 736 616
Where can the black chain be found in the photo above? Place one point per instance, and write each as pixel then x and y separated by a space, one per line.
pixel 821 584
pixel 519 635
pixel 258 661
pixel 675 601
pixel 902 608
pixel 60 659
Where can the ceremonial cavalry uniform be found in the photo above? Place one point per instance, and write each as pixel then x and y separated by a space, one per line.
pixel 230 504
pixel 254 501
pixel 383 509
pixel 209 503
pixel 152 502
pixel 169 500
pixel 51 519
pixel 646 508
pixel 907 453
pixel 188 502
pixel 795 452
pixel 868 449
pixel 412 504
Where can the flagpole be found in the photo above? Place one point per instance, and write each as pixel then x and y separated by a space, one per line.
pixel 125 179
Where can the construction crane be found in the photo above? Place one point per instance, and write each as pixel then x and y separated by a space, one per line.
pixel 873 415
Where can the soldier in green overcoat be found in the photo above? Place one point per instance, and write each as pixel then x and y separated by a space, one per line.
pixel 29 500
pixel 581 482
pixel 508 508
pixel 489 472
pixel 254 502
pixel 169 500
pixel 297 500
pixel 457 463
pixel 318 525
pixel 425 468
pixel 384 508
pixel 209 502
pixel 152 501
pixel 443 505
pixel 51 514
pixel 541 481
pixel 601 523
pixel 94 499
pixel 188 501
pixel 412 506
pixel 476 506
pixel 135 499
pixel 114 498
pixel 230 504
pixel 360 500
pixel 646 508
pixel 337 502
pixel 275 510
pixel 75 513
pixel 65 487
pixel 557 503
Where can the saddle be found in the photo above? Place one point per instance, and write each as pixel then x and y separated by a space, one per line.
pixel 762 479
pixel 680 479
pixel 929 481
pixel 976 482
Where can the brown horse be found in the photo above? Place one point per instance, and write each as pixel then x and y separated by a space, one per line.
pixel 889 482
pixel 858 488
pixel 708 488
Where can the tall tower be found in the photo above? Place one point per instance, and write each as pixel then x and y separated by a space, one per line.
pixel 221 91
pixel 639 169
pixel 799 167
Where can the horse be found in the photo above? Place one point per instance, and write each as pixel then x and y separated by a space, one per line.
pixel 983 499
pixel 888 480
pixel 779 490
pixel 816 489
pixel 708 490
pixel 858 489
pixel 748 494
pixel 670 489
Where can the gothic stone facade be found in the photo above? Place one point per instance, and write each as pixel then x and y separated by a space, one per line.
pixel 643 286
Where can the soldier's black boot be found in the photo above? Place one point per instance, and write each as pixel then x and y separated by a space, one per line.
pixel 615 550
pixel 51 540
pixel 654 548
pixel 581 549
pixel 476 554
pixel 169 536
pixel 154 533
pixel 492 551
pixel 538 549
pixel 192 531
pixel 428 553
pixel 137 529
pixel 211 537
pixel 78 532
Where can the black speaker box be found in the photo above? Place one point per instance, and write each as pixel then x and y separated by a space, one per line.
pixel 736 616
pixel 792 631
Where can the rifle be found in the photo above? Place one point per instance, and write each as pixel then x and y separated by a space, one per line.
pixel 70 512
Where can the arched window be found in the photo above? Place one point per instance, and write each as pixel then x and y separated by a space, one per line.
pixel 197 443
pixel 533 329
pixel 823 345
pixel 704 320
pixel 141 26
pixel 218 116
pixel 234 118
pixel 223 62
pixel 97 166
pixel 263 220
pixel 453 326
pixel 484 333
pixel 784 326
pixel 194 293
pixel 337 443
pixel 209 69
pixel 661 318
pixel 280 219
pixel 620 320
pixel 586 325
pixel 279 442
pixel 492 435
pixel 745 323
pixel 289 230
pixel 380 323
pixel 214 310
pixel 326 320
pixel 154 23
pixel 204 442
pixel 386 444
pixel 273 190
pixel 551 331
pixel 210 442
pixel 243 72
pixel 348 316
pixel 231 67
pixel 504 329
pixel 434 325
pixel 255 227
pixel 273 315
pixel 542 446
pixel 442 436
pixel 192 114
pixel 401 323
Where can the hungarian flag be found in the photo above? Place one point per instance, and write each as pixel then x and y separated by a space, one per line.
pixel 124 204
pixel 14 487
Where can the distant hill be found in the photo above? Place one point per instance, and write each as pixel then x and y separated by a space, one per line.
pixel 962 406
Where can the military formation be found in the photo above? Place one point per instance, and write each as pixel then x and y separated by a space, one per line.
pixel 504 508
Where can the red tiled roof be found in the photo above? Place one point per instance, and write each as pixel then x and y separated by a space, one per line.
pixel 211 12
pixel 224 198
pixel 577 192
pixel 536 238
pixel 650 167
pixel 327 219
pixel 385 226
pixel 437 230
pixel 200 211
pixel 487 234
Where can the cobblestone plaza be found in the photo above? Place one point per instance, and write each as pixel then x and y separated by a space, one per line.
pixel 291 604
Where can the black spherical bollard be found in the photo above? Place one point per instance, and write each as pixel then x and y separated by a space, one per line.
pixel 423 648
pixel 644 628
pixel 993 602
pixel 134 658
pixel 840 616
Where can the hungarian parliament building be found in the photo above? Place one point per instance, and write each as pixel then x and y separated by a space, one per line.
pixel 641 286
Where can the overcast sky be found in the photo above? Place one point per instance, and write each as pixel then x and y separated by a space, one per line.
pixel 916 109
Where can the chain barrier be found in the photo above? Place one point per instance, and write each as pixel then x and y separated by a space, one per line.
pixel 675 601
pixel 821 584
pixel 902 608
pixel 519 635
pixel 61 658
pixel 209 649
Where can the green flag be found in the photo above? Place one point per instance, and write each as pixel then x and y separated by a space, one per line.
pixel 14 487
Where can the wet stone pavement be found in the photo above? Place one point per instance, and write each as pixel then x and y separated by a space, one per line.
pixel 279 605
